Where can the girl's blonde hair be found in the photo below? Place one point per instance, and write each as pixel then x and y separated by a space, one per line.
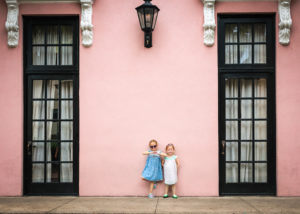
pixel 151 141
pixel 170 144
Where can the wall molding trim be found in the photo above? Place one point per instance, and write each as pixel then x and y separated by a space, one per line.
pixel 209 25
pixel 285 21
pixel 86 22
pixel 11 24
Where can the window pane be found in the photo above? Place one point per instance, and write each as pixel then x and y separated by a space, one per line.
pixel 67 109
pixel 246 130
pixel 261 173
pixel 52 34
pixel 246 109
pixel 52 110
pixel 52 89
pixel 245 54
pixel 38 110
pixel 53 55
pixel 66 172
pixel 260 87
pixel 260 130
pixel 52 172
pixel 245 33
pixel 259 33
pixel 246 173
pixel 260 56
pixel 231 109
pixel 38 91
pixel 52 131
pixel 246 151
pixel 38 131
pixel 231 88
pixel 66 55
pixel 38 35
pixel 66 34
pixel 38 173
pixel 231 33
pixel 260 109
pixel 260 151
pixel 231 56
pixel 66 131
pixel 38 55
pixel 246 88
pixel 66 89
pixel 53 152
pixel 66 151
pixel 231 130
pixel 231 172
pixel 38 151
pixel 232 151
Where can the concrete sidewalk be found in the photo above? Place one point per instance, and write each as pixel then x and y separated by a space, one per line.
pixel 222 205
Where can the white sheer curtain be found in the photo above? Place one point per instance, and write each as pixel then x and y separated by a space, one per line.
pixel 245 36
pixel 231 112
pixel 38 131
pixel 66 51
pixel 260 132
pixel 51 88
pixel 231 31
pixel 260 54
pixel 260 108
pixel 52 52
pixel 66 174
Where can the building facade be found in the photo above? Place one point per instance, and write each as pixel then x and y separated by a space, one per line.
pixel 81 96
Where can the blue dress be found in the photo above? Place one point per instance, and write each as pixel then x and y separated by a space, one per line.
pixel 153 169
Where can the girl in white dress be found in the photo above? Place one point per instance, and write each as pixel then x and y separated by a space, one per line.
pixel 170 164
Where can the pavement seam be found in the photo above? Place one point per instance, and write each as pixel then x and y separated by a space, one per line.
pixel 50 211
pixel 250 205
pixel 156 205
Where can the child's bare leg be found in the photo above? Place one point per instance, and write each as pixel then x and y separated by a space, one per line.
pixel 166 189
pixel 174 189
pixel 151 187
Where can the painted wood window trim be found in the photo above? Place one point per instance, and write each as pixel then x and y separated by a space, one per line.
pixel 12 25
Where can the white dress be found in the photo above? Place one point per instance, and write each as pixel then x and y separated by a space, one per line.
pixel 170 170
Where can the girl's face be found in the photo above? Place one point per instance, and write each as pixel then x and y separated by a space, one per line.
pixel 170 150
pixel 153 146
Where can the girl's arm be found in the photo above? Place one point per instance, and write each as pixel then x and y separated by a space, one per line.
pixel 163 154
pixel 162 161
pixel 146 153
pixel 177 162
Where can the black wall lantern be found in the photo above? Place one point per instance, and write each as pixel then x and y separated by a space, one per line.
pixel 147 14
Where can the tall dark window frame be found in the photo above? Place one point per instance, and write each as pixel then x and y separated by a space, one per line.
pixel 46 73
pixel 249 71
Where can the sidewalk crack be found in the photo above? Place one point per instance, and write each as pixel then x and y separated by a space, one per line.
pixel 250 205
pixel 50 211
pixel 156 205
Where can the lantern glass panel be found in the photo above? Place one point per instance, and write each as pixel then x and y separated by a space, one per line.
pixel 141 18
pixel 149 17
pixel 154 18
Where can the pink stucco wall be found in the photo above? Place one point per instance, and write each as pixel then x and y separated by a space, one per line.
pixel 129 95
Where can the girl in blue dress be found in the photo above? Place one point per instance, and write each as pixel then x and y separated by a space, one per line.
pixel 153 169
